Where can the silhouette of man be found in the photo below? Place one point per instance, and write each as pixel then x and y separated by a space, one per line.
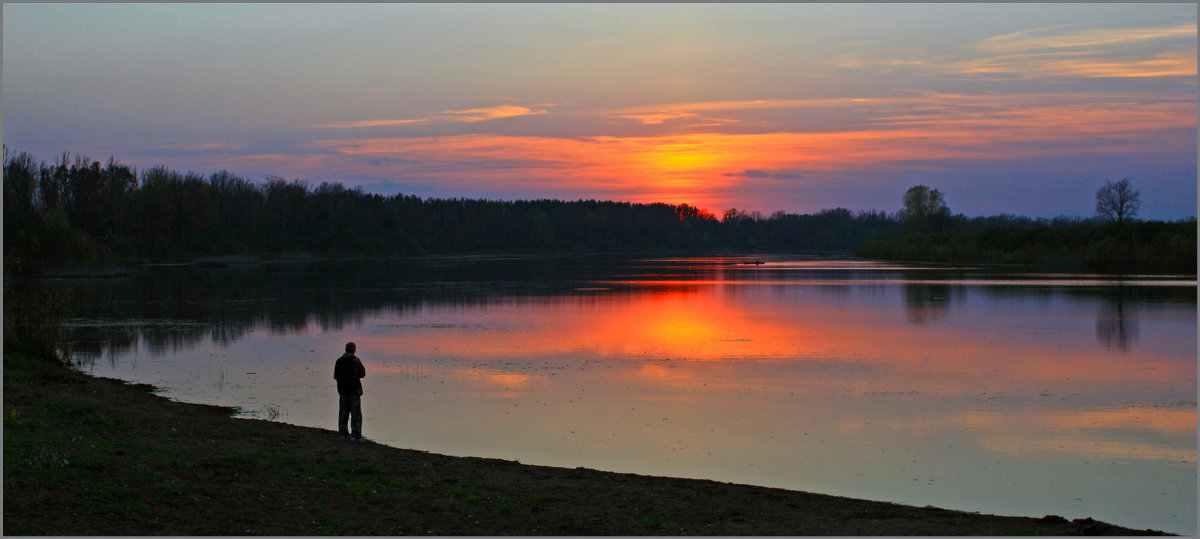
pixel 347 371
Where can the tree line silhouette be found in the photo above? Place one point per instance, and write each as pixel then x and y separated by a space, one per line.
pixel 76 212
pixel 1112 242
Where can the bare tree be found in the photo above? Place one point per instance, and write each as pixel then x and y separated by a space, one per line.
pixel 1118 201
pixel 924 209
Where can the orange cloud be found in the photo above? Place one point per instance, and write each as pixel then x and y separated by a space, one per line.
pixel 655 118
pixel 942 127
pixel 375 123
pixel 1035 38
pixel 701 168
pixel 1063 121
pixel 696 168
pixel 1166 64
pixel 468 115
pixel 1042 53
pixel 491 113
pixel 655 114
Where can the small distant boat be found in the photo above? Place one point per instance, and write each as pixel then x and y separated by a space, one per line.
pixel 756 262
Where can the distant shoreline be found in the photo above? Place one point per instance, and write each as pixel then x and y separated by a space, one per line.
pixel 1144 247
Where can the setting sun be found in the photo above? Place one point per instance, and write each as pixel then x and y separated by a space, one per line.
pixel 681 157
pixel 792 107
pixel 935 260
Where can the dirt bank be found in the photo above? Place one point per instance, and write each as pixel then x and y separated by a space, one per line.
pixel 84 455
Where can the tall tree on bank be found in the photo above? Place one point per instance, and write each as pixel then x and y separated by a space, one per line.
pixel 924 210
pixel 1118 201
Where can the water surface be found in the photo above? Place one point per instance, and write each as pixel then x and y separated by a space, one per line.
pixel 1003 392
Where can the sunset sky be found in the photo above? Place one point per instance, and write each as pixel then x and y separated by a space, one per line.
pixel 1006 108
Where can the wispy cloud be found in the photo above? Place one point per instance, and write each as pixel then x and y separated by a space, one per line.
pixel 761 174
pixel 374 123
pixel 941 127
pixel 1044 117
pixel 665 116
pixel 468 115
pixel 697 107
pixel 1054 52
pixel 1039 115
pixel 749 173
pixel 201 146
pixel 707 167
pixel 713 114
pixel 1046 38
pixel 490 113
pixel 1080 65
pixel 712 169
pixel 874 61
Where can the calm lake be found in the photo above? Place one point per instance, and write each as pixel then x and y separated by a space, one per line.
pixel 977 389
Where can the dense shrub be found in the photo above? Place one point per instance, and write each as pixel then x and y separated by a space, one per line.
pixel 33 319
pixel 1130 247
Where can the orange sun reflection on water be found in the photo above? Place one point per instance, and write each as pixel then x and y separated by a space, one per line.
pixel 670 323
pixel 687 343
pixel 710 326
pixel 707 372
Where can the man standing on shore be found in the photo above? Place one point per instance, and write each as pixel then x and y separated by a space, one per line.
pixel 348 371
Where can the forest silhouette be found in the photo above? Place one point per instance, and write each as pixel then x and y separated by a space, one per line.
pixel 80 213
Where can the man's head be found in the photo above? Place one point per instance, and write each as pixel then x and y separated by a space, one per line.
pixel 349 348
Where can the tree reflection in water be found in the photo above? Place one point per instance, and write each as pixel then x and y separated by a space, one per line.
pixel 1117 324
pixel 164 310
pixel 702 365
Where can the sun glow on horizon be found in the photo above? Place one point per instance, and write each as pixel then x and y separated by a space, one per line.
pixel 756 115
pixel 709 168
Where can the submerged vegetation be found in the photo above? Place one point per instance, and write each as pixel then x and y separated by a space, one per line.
pixel 80 213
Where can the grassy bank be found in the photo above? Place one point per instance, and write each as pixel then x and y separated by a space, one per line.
pixel 1150 247
pixel 85 455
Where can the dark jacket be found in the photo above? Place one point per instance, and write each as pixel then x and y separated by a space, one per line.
pixel 347 372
